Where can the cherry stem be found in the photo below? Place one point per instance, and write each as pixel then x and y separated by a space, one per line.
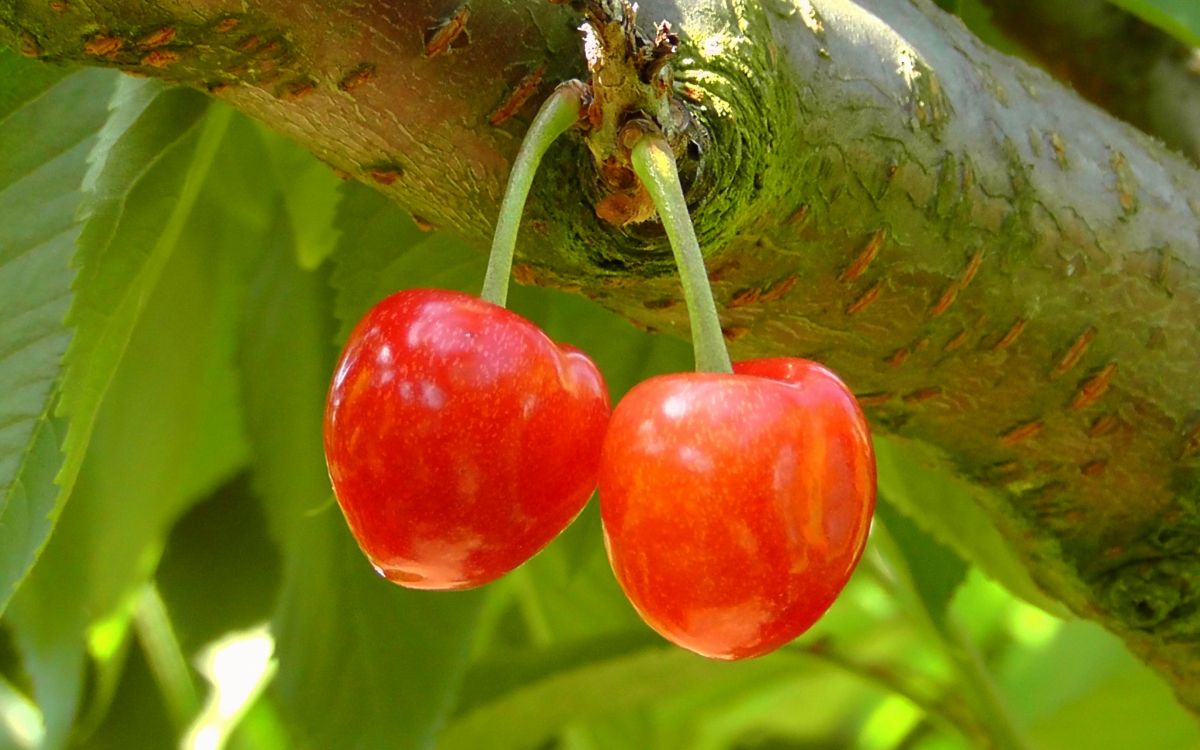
pixel 654 163
pixel 558 114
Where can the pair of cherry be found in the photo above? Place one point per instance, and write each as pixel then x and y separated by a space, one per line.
pixel 461 440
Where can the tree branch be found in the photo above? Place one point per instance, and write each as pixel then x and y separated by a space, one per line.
pixel 1009 277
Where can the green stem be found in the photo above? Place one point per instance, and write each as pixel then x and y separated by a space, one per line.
pixel 973 673
pixel 654 163
pixel 974 669
pixel 947 715
pixel 558 114
pixel 162 650
pixel 531 607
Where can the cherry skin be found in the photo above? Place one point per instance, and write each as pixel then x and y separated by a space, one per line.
pixel 460 439
pixel 736 506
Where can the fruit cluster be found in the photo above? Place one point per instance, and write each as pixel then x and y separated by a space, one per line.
pixel 461 440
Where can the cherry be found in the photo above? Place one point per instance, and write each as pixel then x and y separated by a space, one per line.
pixel 460 439
pixel 736 506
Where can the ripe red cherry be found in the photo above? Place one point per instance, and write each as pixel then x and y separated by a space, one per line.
pixel 736 506
pixel 460 439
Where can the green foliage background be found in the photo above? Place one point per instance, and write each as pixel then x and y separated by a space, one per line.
pixel 206 270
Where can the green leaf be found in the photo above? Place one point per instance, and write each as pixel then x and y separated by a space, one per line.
pixel 362 662
pixel 286 357
pixel 617 678
pixel 311 199
pixel 45 114
pixel 220 553
pixel 944 508
pixel 935 569
pixel 138 717
pixel 491 679
pixel 146 172
pixel 340 625
pixel 31 504
pixel 381 250
pixel 812 706
pixel 623 353
pixel 24 81
pixel 1084 689
pixel 166 433
pixel 1179 18
pixel 978 18
pixel 41 169
pixel 261 728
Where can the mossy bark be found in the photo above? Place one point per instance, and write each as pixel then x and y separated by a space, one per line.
pixel 1008 277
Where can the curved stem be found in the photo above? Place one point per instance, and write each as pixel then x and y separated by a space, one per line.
pixel 974 678
pixel 654 163
pixel 945 712
pixel 558 114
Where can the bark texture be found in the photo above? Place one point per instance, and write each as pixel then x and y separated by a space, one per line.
pixel 1009 277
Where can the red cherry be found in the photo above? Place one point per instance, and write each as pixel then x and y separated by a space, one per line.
pixel 735 507
pixel 460 439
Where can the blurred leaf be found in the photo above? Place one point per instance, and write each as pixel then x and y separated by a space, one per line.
pixel 41 169
pixel 985 609
pixel 978 18
pixel 310 191
pixel 935 569
pixel 563 595
pixel 926 594
pixel 587 606
pixel 381 250
pixel 623 353
pixel 286 356
pixel 167 431
pixel 362 663
pixel 534 711
pixel 20 723
pixel 260 729
pixel 138 717
pixel 812 705
pixel 1179 18
pixel 1084 689
pixel 785 691
pixel 583 539
pixel 220 570
pixel 943 506
pixel 491 678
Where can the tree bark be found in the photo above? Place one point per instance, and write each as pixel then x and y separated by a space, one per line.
pixel 1007 276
